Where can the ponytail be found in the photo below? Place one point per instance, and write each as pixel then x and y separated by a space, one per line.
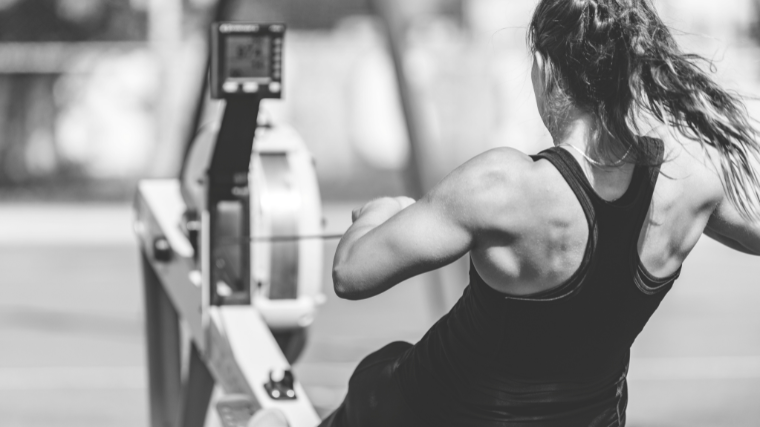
pixel 617 58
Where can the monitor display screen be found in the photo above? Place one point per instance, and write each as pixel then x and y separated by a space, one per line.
pixel 248 57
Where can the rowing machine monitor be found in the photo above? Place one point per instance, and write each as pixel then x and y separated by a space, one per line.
pixel 246 60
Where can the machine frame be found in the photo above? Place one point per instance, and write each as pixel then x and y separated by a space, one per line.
pixel 198 284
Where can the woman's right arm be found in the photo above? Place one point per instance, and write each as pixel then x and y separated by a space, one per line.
pixel 728 227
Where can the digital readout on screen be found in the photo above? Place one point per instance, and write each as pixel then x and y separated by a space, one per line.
pixel 247 56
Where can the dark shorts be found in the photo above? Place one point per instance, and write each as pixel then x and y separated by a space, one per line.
pixel 374 398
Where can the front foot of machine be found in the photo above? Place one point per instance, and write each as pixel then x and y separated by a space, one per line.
pixel 292 343
pixel 235 410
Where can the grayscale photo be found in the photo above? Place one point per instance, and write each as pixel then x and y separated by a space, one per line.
pixel 380 213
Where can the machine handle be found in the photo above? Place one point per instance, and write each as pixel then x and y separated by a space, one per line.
pixel 231 242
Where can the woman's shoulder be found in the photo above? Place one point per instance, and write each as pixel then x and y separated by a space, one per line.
pixel 493 170
pixel 683 149
pixel 689 168
pixel 500 156
pixel 497 188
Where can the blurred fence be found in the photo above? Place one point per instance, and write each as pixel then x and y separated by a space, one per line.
pixel 75 107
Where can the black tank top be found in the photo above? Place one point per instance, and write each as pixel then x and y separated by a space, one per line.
pixel 557 357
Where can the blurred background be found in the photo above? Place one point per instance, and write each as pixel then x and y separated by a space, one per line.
pixel 97 94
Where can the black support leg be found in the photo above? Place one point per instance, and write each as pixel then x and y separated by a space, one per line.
pixel 164 359
pixel 197 391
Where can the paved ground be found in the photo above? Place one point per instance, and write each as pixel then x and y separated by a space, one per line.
pixel 73 354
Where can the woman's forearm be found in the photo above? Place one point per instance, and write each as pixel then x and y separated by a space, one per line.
pixel 363 225
pixel 345 265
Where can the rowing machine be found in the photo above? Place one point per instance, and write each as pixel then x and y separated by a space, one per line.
pixel 223 253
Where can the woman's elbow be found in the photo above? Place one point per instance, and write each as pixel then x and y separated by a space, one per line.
pixel 342 283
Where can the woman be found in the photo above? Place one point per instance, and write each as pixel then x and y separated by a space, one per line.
pixel 571 250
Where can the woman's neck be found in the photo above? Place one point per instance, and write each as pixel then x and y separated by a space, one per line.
pixel 608 170
pixel 581 131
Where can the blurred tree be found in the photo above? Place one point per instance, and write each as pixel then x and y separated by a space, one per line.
pixel 754 29
pixel 307 14
pixel 27 107
pixel 324 14
pixel 71 20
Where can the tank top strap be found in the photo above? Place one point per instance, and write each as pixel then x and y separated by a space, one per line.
pixel 643 279
pixel 657 153
pixel 645 191
pixel 574 177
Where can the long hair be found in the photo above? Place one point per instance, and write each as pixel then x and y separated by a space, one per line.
pixel 616 59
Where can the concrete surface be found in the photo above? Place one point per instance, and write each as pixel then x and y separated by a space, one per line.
pixel 73 351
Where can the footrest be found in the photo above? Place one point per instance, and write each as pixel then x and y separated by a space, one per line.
pixel 235 410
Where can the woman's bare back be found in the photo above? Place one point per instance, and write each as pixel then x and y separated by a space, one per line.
pixel 546 245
